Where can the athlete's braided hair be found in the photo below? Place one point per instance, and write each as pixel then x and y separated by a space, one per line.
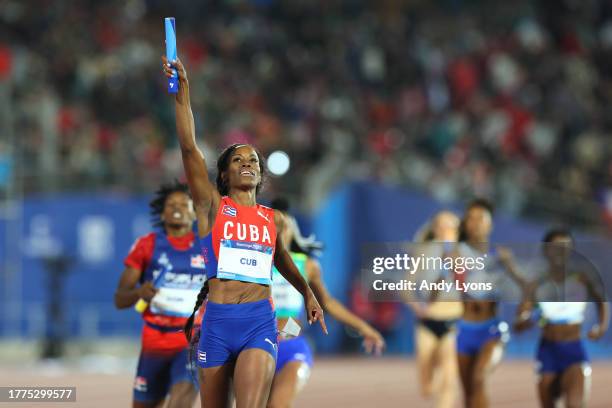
pixel 189 324
pixel 193 336
pixel 223 163
pixel 159 201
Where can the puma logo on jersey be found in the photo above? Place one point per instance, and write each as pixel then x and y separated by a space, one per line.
pixel 271 342
pixel 264 216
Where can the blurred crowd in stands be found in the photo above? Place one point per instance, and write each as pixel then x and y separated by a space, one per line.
pixel 508 100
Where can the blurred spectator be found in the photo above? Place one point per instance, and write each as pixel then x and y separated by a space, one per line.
pixel 456 98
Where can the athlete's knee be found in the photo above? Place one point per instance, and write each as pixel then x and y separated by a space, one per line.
pixel 147 404
pixel 185 400
pixel 446 398
pixel 575 402
pixel 575 398
pixel 276 403
pixel 448 379
pixel 478 379
pixel 182 395
pixel 468 401
pixel 426 391
pixel 181 402
pixel 280 397
pixel 466 385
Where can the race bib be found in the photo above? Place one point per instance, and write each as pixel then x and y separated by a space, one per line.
pixel 245 261
pixel 174 302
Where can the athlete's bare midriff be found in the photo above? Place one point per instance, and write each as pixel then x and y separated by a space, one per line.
pixel 479 310
pixel 233 292
pixel 443 310
pixel 562 332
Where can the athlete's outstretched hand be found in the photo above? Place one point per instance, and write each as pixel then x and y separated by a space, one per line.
pixel 146 291
pixel 596 332
pixel 373 341
pixel 314 311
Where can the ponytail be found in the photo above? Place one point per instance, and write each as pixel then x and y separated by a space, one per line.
pixel 201 297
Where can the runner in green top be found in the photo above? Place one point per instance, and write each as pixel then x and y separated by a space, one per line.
pixel 294 355
pixel 287 301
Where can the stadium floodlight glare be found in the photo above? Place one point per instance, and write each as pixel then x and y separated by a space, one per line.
pixel 278 163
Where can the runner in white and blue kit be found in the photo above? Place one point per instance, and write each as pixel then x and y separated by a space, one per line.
pixel 481 335
pixel 560 297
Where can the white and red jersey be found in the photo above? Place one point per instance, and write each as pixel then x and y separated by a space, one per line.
pixel 241 243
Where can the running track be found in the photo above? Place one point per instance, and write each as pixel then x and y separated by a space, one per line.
pixel 347 382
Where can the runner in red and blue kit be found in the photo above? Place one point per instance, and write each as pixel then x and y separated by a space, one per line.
pixel 238 336
pixel 240 247
pixel 167 270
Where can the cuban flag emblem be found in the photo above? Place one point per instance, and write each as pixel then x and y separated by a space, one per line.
pixel 229 211
pixel 140 384
pixel 202 356
pixel 197 261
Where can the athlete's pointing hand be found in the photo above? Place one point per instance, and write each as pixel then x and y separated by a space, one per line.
pixel 314 311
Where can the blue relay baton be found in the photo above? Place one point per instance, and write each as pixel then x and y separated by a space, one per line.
pixel 170 28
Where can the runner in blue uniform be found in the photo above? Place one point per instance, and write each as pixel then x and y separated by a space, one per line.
pixel 562 362
pixel 169 258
